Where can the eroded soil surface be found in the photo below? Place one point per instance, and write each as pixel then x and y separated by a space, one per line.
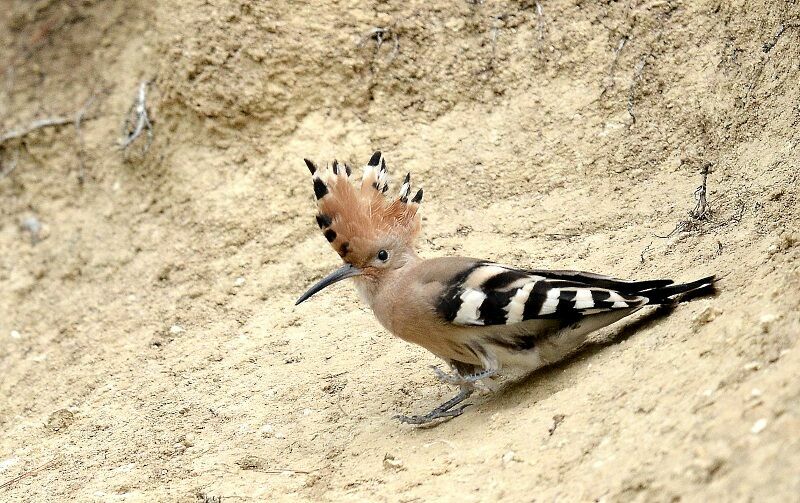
pixel 149 347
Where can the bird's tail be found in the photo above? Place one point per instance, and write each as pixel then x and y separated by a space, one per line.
pixel 681 292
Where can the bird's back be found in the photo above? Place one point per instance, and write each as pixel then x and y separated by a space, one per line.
pixel 472 310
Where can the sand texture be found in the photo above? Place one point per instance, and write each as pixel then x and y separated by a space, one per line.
pixel 149 346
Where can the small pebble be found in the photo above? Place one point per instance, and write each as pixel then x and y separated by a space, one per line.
pixel 707 315
pixel 239 281
pixel 251 463
pixel 390 462
pixel 60 420
pixel 176 329
pixel 752 366
pixel 15 334
pixel 34 227
pixel 758 426
pixel 125 468
pixel 509 457
pixel 765 321
pixel 454 24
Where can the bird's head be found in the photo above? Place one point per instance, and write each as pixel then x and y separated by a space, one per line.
pixel 371 233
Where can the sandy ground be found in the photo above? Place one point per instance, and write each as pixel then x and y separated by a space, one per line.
pixel 149 348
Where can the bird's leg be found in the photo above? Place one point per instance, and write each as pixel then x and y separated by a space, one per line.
pixel 465 376
pixel 459 379
pixel 445 410
pixel 446 377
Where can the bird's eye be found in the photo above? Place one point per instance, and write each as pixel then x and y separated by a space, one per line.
pixel 383 255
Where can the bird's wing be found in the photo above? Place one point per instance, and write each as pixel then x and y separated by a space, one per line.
pixel 484 293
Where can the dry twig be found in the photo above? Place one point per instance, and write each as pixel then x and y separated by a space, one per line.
pixel 540 20
pixel 31 473
pixel 646 249
pixel 285 470
pixel 60 120
pixel 701 211
pixel 778 34
pixel 498 23
pixel 33 126
pixel 637 76
pixel 75 120
pixel 79 115
pixel 610 82
pixel 556 236
pixel 137 121
pixel 767 47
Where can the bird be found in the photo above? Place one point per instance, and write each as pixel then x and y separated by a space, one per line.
pixel 480 317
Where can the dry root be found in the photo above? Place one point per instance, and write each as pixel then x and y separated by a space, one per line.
pixel 137 121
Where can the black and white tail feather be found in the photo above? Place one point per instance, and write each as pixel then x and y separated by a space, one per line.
pixel 531 318
pixel 493 294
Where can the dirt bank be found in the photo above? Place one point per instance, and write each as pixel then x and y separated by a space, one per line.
pixel 149 349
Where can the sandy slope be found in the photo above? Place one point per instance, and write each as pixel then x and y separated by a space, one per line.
pixel 149 350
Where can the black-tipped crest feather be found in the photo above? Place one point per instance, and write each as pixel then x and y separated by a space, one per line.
pixel 320 189
pixel 375 159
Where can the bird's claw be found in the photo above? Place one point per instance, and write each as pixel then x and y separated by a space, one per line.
pixel 432 416
pixel 446 410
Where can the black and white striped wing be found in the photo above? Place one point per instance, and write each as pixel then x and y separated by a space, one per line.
pixel 493 294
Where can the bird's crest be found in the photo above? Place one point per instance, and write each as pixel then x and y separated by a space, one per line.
pixel 352 217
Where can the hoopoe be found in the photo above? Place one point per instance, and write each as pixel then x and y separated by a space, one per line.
pixel 476 315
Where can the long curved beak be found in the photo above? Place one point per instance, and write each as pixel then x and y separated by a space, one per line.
pixel 344 272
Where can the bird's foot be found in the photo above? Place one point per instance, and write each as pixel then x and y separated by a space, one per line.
pixel 444 411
